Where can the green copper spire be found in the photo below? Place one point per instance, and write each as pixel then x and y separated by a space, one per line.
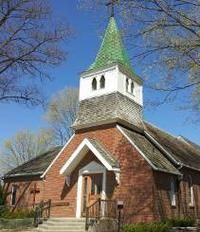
pixel 112 50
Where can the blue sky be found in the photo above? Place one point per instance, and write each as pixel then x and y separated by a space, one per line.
pixel 82 48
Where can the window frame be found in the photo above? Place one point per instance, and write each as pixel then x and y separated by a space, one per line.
pixel 173 192
pixel 191 191
pixel 94 84
pixel 133 88
pixel 102 81
pixel 13 195
pixel 127 84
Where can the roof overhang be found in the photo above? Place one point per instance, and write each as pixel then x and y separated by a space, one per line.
pixel 115 120
pixel 107 68
pixel 85 146
pixel 24 175
pixel 112 66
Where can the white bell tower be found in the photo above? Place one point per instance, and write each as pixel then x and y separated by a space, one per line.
pixel 110 80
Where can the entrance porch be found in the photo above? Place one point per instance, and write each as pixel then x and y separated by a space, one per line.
pixel 96 179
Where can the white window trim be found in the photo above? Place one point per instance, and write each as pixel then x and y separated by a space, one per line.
pixel 191 189
pixel 172 192
pixel 133 89
pixel 128 83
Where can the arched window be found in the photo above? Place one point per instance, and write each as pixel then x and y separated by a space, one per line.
pixel 127 84
pixel 132 87
pixel 173 191
pixel 102 82
pixel 94 84
pixel 190 191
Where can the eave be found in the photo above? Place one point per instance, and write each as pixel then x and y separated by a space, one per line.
pixel 22 175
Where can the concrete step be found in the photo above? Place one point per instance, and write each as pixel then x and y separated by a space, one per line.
pixel 66 219
pixel 62 225
pixel 56 230
pixel 63 230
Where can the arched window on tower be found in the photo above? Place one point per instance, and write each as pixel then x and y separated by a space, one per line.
pixel 132 87
pixel 102 82
pixel 127 84
pixel 94 84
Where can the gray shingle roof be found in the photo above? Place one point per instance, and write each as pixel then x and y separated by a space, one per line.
pixel 151 152
pixel 97 110
pixel 190 142
pixel 184 153
pixel 35 166
pixel 106 154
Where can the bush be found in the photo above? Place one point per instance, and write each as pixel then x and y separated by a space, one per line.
pixel 18 214
pixel 180 222
pixel 152 227
pixel 2 210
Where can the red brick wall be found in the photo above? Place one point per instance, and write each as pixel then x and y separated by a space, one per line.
pixel 187 209
pixel 55 187
pixel 24 197
pixel 135 188
pixel 162 203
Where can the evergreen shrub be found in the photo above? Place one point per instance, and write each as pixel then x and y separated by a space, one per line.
pixel 151 227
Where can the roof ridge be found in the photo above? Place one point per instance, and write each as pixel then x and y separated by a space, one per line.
pixel 186 154
pixel 188 141
pixel 191 143
pixel 162 130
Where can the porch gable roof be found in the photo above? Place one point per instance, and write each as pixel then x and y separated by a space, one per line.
pixel 104 156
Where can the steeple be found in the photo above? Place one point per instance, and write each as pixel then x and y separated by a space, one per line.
pixel 110 91
pixel 112 50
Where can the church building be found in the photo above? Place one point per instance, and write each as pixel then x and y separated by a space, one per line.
pixel 114 155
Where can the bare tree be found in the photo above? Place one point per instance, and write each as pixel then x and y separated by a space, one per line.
pixel 164 36
pixel 61 113
pixel 24 146
pixel 29 42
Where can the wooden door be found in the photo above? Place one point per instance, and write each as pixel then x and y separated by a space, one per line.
pixel 92 189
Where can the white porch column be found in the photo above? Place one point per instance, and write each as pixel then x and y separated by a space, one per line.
pixel 79 196
pixel 103 196
pixel 104 185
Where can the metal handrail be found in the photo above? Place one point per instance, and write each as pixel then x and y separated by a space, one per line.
pixel 100 209
pixel 42 211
